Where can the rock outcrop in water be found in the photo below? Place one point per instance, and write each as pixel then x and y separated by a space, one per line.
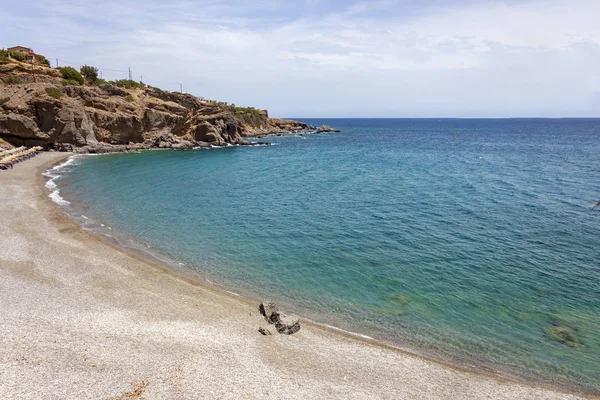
pixel 326 129
pixel 37 110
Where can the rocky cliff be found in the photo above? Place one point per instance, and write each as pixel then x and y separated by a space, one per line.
pixel 36 109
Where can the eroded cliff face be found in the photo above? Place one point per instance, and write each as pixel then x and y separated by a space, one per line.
pixel 109 118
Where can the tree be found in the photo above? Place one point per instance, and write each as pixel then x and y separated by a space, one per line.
pixel 71 75
pixel 43 60
pixel 17 56
pixel 90 73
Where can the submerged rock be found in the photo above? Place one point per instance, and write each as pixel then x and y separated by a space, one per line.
pixel 400 298
pixel 564 335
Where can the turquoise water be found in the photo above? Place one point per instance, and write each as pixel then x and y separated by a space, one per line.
pixel 462 239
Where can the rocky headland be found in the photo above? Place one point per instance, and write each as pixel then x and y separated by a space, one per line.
pixel 39 108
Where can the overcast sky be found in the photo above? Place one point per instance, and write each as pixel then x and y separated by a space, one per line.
pixel 389 58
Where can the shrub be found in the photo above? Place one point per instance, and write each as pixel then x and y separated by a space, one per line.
pixel 13 80
pixel 90 73
pixel 71 74
pixel 70 82
pixel 4 100
pixel 129 98
pixel 54 92
pixel 128 84
pixel 98 82
pixel 3 53
pixel 43 60
pixel 17 56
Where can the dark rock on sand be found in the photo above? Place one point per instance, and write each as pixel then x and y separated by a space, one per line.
pixel 267 309
pixel 264 331
pixel 284 323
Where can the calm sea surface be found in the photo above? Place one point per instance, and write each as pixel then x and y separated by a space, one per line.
pixel 463 239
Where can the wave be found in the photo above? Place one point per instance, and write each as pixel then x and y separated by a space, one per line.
pixel 55 196
pixel 53 174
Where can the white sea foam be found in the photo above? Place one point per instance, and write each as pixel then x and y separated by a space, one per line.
pixel 53 174
pixel 70 161
pixel 55 196
pixel 335 328
pixel 50 184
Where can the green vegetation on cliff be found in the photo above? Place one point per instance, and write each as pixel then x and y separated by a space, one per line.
pixel 89 73
pixel 89 114
pixel 71 76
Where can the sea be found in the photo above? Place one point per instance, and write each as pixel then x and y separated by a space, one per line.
pixel 471 241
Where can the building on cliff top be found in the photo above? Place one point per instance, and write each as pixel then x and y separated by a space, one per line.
pixel 29 53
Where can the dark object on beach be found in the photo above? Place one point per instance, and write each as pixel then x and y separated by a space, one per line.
pixel 264 331
pixel 267 309
pixel 564 335
pixel 285 324
pixel 597 205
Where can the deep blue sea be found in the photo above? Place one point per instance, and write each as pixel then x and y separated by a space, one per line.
pixel 466 240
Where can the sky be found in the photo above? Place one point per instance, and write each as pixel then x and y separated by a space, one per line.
pixel 309 58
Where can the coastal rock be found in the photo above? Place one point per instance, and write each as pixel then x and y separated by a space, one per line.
pixel 264 331
pixel 21 127
pixel 268 309
pixel 111 118
pixel 286 324
pixel 326 129
pixel 564 335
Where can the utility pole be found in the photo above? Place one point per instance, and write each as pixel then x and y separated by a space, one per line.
pixel 100 74
pixel 142 78
pixel 57 63
pixel 181 88
pixel 129 73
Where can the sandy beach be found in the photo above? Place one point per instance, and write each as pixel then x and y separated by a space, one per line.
pixel 83 319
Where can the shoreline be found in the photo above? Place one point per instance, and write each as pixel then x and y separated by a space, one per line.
pixel 347 343
pixel 117 240
pixel 171 266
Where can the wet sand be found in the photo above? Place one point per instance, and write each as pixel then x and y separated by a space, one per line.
pixel 83 319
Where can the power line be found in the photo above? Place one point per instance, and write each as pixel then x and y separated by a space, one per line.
pixel 61 62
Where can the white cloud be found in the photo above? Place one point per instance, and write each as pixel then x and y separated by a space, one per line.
pixel 365 59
